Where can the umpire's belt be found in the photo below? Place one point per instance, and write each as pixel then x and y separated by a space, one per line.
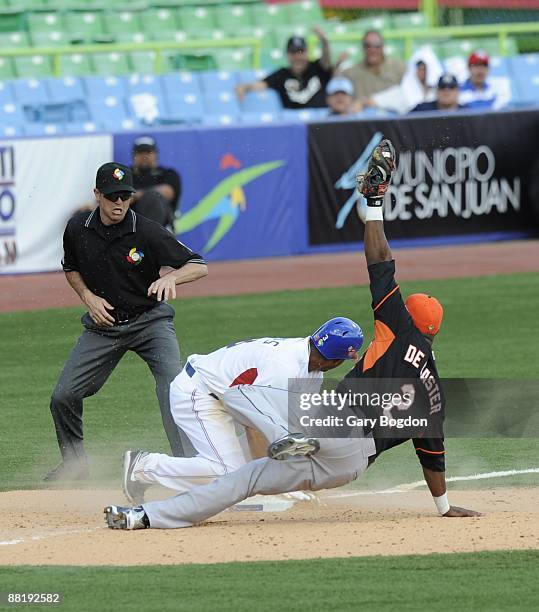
pixel 124 318
pixel 190 371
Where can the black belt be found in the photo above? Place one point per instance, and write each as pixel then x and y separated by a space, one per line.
pixel 124 318
pixel 190 371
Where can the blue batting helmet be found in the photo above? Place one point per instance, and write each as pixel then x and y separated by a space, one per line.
pixel 338 338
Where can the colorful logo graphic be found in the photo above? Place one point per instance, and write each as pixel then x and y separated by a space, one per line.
pixel 135 257
pixel 225 201
pixel 118 174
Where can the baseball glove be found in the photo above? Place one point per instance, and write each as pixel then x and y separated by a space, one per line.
pixel 374 183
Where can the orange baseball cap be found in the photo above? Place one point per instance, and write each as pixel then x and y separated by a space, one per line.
pixel 426 312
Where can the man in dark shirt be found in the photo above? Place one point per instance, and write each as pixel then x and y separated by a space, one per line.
pixel 123 267
pixel 447 96
pixel 158 189
pixel 302 84
pixel 403 333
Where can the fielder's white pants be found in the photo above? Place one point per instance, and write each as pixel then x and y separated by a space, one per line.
pixel 210 428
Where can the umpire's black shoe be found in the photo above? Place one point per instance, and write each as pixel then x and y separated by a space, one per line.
pixel 68 470
pixel 293 445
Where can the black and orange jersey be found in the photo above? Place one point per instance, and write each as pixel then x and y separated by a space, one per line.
pixel 400 351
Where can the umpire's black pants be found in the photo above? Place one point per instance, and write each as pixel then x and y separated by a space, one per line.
pixel 94 357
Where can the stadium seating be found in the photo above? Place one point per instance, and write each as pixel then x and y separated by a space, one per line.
pixel 114 90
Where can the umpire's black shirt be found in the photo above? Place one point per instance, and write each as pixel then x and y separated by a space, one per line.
pixel 119 262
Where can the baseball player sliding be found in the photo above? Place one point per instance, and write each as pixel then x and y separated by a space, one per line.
pixel 295 461
pixel 199 402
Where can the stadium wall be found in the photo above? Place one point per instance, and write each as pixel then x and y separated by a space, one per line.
pixel 286 189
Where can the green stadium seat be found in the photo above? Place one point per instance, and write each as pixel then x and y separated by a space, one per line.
pixel 44 22
pixel 336 27
pixel 233 16
pixel 7 70
pixel 234 59
pixel 84 25
pixel 307 12
pixel 394 48
pixel 121 22
pixel 408 21
pixel 463 47
pixel 111 64
pixel 201 60
pixel 269 14
pixel 436 45
pixel 130 37
pixel 160 23
pixel 12 21
pixel 76 64
pixel 143 62
pixel 194 18
pixel 54 38
pixel 178 36
pixel 353 49
pixel 370 23
pixel 12 40
pixel 38 66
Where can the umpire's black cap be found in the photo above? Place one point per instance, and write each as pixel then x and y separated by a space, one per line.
pixel 113 177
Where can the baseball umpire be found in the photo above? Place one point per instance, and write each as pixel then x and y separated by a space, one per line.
pixel 297 463
pixel 123 267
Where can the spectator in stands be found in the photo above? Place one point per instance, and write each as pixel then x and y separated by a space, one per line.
pixel 418 84
pixel 158 188
pixel 340 96
pixel 447 96
pixel 375 72
pixel 302 83
pixel 477 91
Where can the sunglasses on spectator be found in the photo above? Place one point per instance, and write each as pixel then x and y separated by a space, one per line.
pixel 378 45
pixel 113 197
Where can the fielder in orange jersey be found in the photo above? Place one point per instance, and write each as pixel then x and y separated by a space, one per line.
pixel 404 332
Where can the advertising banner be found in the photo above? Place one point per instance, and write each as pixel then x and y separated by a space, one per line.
pixel 456 175
pixel 42 183
pixel 244 189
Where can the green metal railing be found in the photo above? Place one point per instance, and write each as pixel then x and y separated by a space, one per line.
pixel 158 47
pixel 501 31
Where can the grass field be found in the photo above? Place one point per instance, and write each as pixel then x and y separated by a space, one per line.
pixel 490 330
pixel 481 581
pixel 486 334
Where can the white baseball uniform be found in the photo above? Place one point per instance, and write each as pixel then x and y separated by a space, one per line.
pixel 197 406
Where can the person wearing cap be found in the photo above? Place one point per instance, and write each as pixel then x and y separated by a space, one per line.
pixel 124 268
pixel 404 332
pixel 158 189
pixel 302 84
pixel 477 91
pixel 447 97
pixel 375 72
pixel 340 96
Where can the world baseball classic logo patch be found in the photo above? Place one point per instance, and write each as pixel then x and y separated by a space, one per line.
pixel 135 257
pixel 118 174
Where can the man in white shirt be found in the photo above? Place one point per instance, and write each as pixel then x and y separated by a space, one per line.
pixel 199 405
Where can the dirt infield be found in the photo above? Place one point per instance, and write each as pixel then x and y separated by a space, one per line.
pixel 66 527
pixel 33 292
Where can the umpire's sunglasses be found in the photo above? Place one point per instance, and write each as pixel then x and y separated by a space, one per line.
pixel 113 197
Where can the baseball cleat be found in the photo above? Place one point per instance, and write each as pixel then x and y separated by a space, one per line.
pixel 293 445
pixel 133 490
pixel 120 517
